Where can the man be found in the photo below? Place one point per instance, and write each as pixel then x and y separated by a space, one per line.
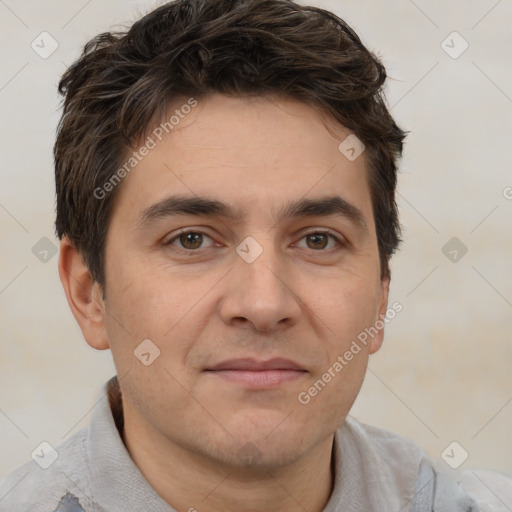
pixel 225 177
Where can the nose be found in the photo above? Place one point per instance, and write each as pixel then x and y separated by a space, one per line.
pixel 259 294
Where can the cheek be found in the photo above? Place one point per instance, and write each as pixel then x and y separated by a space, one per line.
pixel 346 307
pixel 331 394
pixel 154 303
pixel 145 298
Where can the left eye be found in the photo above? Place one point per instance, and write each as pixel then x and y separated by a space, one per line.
pixel 193 240
pixel 190 240
pixel 319 240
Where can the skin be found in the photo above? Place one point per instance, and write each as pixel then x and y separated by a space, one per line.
pixel 304 298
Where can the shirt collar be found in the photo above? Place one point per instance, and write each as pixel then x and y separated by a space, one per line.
pixel 118 484
pixel 372 469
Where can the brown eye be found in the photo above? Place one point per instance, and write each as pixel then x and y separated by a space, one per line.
pixel 318 241
pixel 321 240
pixel 191 240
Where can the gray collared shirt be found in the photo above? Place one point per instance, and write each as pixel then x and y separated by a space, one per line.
pixel 375 470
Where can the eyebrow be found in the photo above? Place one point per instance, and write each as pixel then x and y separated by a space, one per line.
pixel 203 206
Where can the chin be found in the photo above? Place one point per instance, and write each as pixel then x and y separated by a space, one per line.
pixel 264 441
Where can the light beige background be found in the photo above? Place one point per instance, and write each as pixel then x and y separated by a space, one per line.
pixel 443 373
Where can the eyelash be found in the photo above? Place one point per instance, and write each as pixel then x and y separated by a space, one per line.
pixel 336 238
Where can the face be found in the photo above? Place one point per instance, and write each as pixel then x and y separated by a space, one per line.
pixel 243 246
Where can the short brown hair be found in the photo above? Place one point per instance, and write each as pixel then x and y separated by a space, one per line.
pixel 124 80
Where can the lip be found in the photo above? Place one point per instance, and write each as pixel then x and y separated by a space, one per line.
pixel 254 365
pixel 254 374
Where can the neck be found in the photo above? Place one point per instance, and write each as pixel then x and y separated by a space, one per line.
pixel 198 483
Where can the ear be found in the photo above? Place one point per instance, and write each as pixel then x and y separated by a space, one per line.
pixel 84 296
pixel 376 341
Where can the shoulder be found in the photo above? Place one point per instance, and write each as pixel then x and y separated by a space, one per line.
pixel 428 485
pixel 54 483
pixel 381 465
pixel 491 490
pixel 467 490
pixel 394 449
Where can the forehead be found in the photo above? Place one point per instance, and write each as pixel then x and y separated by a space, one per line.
pixel 248 151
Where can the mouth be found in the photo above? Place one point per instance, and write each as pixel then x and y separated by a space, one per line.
pixel 254 374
